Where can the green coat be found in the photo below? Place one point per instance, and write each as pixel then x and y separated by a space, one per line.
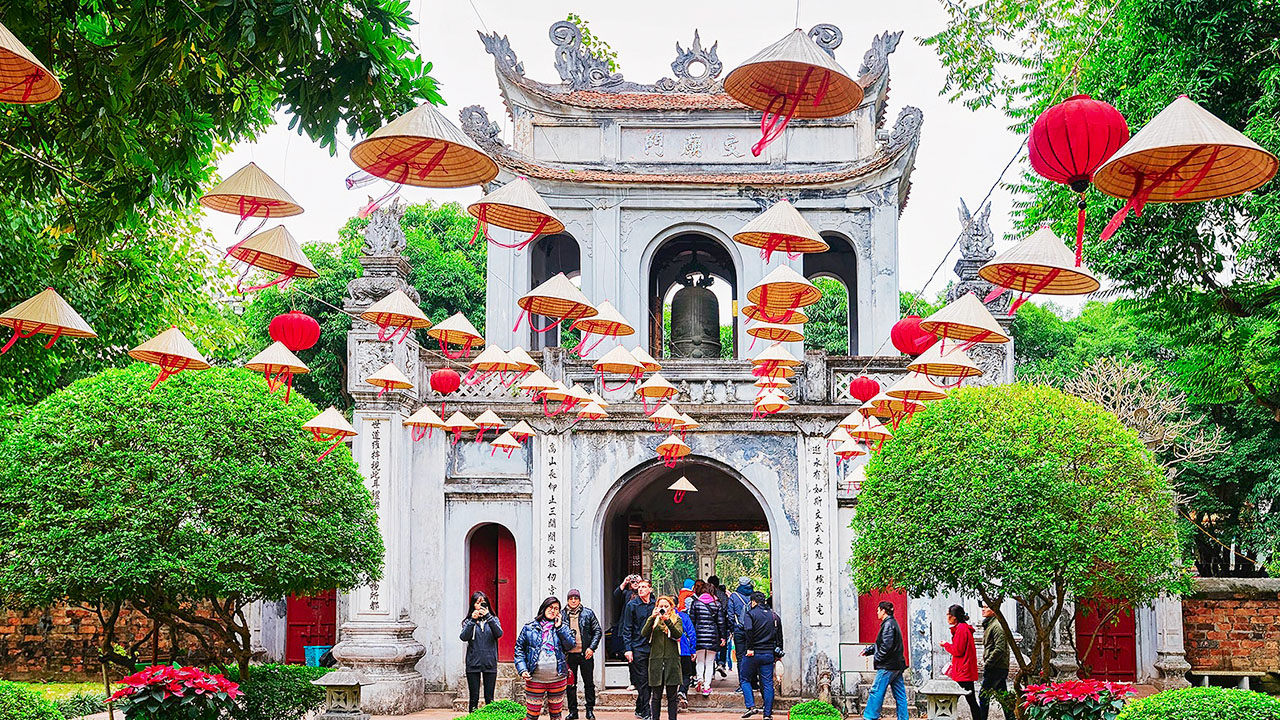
pixel 995 645
pixel 664 650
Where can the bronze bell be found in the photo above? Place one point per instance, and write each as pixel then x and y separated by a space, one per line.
pixel 695 321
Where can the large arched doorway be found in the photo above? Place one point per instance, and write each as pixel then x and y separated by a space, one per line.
pixel 548 255
pixel 675 261
pixel 491 555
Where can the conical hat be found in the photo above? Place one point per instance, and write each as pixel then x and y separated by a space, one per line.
pixel 776 332
pixel 840 434
pixel 776 354
pixel 967 319
pixel 557 298
pixel 895 405
pixel 556 393
pixel 576 392
pixel 772 401
pixel 521 359
pixel 425 417
pixel 1239 164
pixel 330 422
pixel 506 441
pixel 619 361
pixel 666 414
pixel 650 365
pixel 1042 265
pixel 168 346
pixel 275 250
pixel 772 382
pixel 794 66
pixel 492 359
pixel 607 321
pixel 456 330
pixel 871 429
pixel 389 377
pixel 783 289
pixel 396 310
pixel 537 380
pixel 522 428
pixel 489 418
pixel 848 449
pixel 458 422
pixel 26 79
pixel 871 408
pixel 683 485
pixel 49 310
pixel 751 312
pixel 673 446
pixel 782 228
pixel 915 387
pixel 592 411
pixel 656 387
pixel 424 149
pixel 277 358
pixel 250 192
pixel 594 397
pixel 954 364
pixel 686 423
pixel 852 420
pixel 517 206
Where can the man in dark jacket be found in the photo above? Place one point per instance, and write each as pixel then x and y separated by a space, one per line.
pixel 586 638
pixel 636 645
pixel 889 661
pixel 995 660
pixel 738 604
pixel 762 637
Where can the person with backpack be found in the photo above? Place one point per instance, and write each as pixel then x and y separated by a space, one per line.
pixel 722 596
pixel 739 603
pixel 710 624
pixel 762 634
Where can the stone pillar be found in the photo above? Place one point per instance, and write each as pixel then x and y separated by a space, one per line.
pixel 1171 653
pixel 707 547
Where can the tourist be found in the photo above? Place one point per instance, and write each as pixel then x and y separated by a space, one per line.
pixel 686 592
pixel 722 597
pixel 739 603
pixel 663 630
pixel 889 661
pixel 540 660
pixel 762 635
pixel 995 660
pixel 480 630
pixel 710 624
pixel 688 646
pixel 964 655
pixel 586 638
pixel 636 644
pixel 621 596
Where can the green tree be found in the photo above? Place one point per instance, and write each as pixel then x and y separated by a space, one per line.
pixel 828 326
pixel 594 44
pixel 187 502
pixel 1017 492
pixel 448 272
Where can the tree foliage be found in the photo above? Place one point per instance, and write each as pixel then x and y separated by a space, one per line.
pixel 1017 492
pixel 188 502
pixel 828 326
pixel 594 44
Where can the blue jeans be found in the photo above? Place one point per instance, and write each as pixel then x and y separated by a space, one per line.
pixel 886 679
pixel 760 664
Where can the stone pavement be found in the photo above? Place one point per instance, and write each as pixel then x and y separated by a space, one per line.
pixel 600 714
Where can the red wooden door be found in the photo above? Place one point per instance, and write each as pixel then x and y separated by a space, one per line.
pixel 493 572
pixel 1113 656
pixel 309 621
pixel 869 624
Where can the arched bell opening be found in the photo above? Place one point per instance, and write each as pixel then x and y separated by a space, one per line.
pixel 833 322
pixel 548 255
pixel 693 292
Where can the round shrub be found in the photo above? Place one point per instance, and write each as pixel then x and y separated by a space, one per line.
pixel 498 710
pixel 279 692
pixel 21 703
pixel 814 709
pixel 1203 703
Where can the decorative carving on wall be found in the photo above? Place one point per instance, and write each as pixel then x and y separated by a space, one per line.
pixel 578 67
pixel 383 236
pixel 906 129
pixel 503 55
pixel 364 291
pixel 695 57
pixel 828 37
pixel 991 358
pixel 478 127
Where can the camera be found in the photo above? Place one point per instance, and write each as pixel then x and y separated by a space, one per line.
pixel 662 611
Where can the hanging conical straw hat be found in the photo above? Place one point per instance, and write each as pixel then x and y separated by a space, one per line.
pixel 953 364
pixel 650 365
pixel 795 66
pixel 456 330
pixel 275 250
pixel 965 319
pixel 330 422
pixel 769 381
pixel 666 415
pixel 458 422
pixel 915 387
pixel 840 434
pixel 277 358
pixel 592 411
pixel 871 408
pixel 753 313
pixel 250 192
pixel 488 418
pixel 871 429
pixel 783 289
pixel 557 298
pixel 594 397
pixel 576 392
pixel 1039 265
pixel 606 321
pixel 776 332
pixel 686 423
pixel 517 206
pixel 423 149
pixel 492 359
pixel 674 447
pixel 556 393
pixel 619 361
pixel 656 387
pixel 895 405
pixel 683 485
pixel 168 347
pixel 396 310
pixel 522 428
pixel 852 420
pixel 424 417
pixel 26 81
pixel 390 378
pixel 521 359
pixel 1238 164
pixel 46 313
pixel 849 449
pixel 506 441
pixel 776 354
pixel 537 380
pixel 771 401
pixel 781 228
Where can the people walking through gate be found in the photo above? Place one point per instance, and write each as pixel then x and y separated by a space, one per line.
pixel 636 644
pixel 480 630
pixel 688 646
pixel 964 656
pixel 711 625
pixel 889 661
pixel 621 596
pixel 686 592
pixel 663 630
pixel 541 660
pixel 995 660
pixel 722 597
pixel 762 633
pixel 739 603
pixel 586 638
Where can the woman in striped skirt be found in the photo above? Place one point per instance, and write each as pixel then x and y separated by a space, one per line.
pixel 540 660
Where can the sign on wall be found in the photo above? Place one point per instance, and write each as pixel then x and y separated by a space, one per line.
pixel 818 514
pixel 554 530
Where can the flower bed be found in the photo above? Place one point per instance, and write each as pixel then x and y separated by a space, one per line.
pixel 1076 700
pixel 167 693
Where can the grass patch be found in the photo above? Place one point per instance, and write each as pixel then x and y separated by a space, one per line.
pixel 61 691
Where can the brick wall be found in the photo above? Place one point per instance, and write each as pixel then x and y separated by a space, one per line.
pixel 1233 624
pixel 62 643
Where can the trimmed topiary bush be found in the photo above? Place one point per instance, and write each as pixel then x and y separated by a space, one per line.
pixel 20 703
pixel 1203 703
pixel 497 710
pixel 814 709
pixel 279 692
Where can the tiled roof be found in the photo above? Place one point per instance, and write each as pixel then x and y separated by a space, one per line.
pixel 524 166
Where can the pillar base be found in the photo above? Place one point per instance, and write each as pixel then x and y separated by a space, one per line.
pixel 1171 669
pixel 386 653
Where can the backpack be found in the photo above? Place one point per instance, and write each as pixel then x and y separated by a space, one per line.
pixel 740 617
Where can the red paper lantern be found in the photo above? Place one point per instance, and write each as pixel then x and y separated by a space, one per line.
pixel 1070 141
pixel 298 331
pixel 908 338
pixel 863 388
pixel 445 381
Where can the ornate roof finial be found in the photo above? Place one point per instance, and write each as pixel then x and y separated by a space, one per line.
pixel 827 36
pixel 687 61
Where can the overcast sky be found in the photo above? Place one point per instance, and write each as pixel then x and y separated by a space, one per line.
pixel 961 152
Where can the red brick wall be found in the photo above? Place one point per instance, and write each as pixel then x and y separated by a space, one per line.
pixel 62 643
pixel 1233 624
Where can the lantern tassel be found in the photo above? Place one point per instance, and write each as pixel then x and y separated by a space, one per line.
pixel 1080 230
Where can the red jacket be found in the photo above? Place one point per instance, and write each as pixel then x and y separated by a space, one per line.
pixel 964 656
